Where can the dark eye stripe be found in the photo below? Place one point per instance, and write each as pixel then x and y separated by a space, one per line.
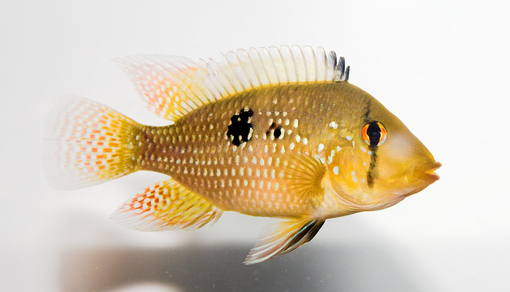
pixel 374 133
pixel 372 171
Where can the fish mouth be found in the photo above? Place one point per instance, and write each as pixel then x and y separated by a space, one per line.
pixel 426 171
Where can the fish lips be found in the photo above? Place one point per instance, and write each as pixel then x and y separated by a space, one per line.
pixel 425 172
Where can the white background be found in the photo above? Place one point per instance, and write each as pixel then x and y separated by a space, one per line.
pixel 441 66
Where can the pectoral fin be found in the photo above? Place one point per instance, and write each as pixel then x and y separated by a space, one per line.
pixel 303 177
pixel 283 237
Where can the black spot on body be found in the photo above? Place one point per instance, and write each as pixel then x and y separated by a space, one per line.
pixel 240 129
pixel 275 130
pixel 272 127
pixel 278 132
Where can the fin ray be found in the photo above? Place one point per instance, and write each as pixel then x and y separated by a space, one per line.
pixel 258 65
pixel 87 143
pixel 249 68
pixel 166 205
pixel 283 237
pixel 303 177
pixel 238 76
pixel 173 86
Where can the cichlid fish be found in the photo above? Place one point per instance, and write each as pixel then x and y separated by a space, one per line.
pixel 275 132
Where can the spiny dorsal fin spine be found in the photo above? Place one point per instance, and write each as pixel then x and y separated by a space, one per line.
pixel 222 78
pixel 249 69
pixel 288 63
pixel 279 64
pixel 238 74
pixel 268 65
pixel 212 86
pixel 331 65
pixel 313 70
pixel 322 64
pixel 299 66
pixel 173 86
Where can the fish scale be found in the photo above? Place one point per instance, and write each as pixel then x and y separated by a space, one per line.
pixel 277 132
pixel 240 178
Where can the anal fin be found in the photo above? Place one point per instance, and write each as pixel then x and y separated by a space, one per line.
pixel 166 205
pixel 283 237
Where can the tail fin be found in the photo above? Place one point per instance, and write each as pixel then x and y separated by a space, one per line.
pixel 87 143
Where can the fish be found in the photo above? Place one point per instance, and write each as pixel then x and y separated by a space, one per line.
pixel 271 132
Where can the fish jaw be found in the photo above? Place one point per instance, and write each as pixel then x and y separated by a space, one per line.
pixel 417 178
pixel 424 172
pixel 339 202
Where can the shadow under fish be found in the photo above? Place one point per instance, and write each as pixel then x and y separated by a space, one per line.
pixel 349 267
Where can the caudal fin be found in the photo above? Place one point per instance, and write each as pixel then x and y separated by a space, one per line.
pixel 87 143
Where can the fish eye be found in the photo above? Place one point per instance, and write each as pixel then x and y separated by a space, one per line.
pixel 374 133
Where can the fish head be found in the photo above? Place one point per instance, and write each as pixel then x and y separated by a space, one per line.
pixel 381 162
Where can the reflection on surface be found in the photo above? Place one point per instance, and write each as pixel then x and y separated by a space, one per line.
pixel 220 268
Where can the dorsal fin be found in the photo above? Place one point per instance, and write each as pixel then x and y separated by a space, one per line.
pixel 173 86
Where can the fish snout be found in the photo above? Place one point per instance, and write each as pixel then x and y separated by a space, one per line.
pixel 425 172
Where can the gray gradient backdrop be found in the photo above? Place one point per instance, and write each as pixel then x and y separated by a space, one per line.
pixel 441 66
